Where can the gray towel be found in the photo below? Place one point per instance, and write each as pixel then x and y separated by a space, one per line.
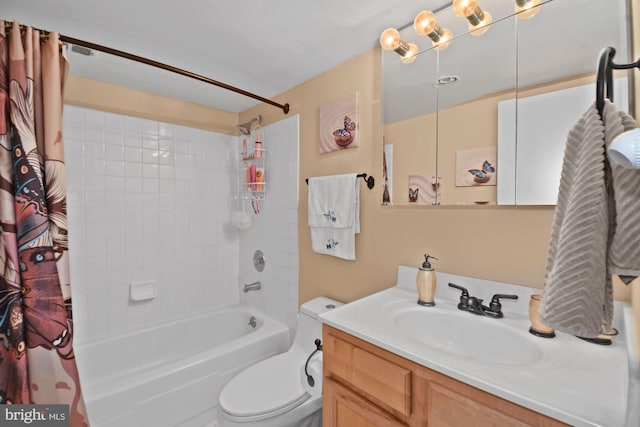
pixel 577 296
pixel 624 251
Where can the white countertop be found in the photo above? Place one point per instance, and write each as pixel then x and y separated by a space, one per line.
pixel 577 382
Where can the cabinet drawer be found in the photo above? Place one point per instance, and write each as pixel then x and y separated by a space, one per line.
pixel 344 408
pixel 385 383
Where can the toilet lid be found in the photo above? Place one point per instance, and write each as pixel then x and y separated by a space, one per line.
pixel 268 387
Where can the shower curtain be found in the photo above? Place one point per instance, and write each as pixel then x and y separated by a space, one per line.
pixel 37 364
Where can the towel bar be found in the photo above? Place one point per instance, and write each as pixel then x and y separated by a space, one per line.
pixel 371 182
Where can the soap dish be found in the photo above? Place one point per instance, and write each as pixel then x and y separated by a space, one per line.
pixel 142 291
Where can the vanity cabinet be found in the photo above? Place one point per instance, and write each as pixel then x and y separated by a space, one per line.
pixel 365 385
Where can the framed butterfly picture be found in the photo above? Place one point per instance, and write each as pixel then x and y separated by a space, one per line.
pixel 339 124
pixel 476 167
pixel 424 189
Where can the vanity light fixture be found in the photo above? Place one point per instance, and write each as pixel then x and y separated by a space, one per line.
pixel 527 8
pixel 390 40
pixel 425 25
pixel 479 20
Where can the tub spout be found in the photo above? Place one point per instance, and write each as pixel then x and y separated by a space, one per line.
pixel 255 286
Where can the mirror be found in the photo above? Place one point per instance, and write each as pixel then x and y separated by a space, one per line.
pixel 510 80
pixel 410 142
pixel 556 85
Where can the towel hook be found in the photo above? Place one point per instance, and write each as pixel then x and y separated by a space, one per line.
pixel 604 76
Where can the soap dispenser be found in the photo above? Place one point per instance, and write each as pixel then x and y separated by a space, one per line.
pixel 426 282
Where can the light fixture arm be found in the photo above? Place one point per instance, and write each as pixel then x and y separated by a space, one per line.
pixel 436 34
pixel 402 48
pixel 476 17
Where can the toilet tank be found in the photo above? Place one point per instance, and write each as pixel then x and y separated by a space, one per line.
pixel 319 305
pixel 309 324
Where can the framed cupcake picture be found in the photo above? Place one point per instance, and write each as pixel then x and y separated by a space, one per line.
pixel 339 124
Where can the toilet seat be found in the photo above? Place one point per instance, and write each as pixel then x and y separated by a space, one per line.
pixel 267 389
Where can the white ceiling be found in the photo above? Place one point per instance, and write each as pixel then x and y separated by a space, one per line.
pixel 262 46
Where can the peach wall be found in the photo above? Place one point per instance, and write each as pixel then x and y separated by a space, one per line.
pixel 98 95
pixel 463 127
pixel 414 152
pixel 492 242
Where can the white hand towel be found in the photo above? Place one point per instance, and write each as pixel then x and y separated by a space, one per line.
pixel 334 214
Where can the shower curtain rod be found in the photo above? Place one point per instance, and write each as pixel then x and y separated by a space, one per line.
pixel 136 58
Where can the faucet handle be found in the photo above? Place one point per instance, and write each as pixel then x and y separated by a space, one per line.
pixel 464 297
pixel 495 305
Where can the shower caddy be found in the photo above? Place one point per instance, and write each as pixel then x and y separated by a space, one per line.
pixel 250 187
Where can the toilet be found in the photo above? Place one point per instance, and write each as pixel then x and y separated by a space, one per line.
pixel 271 392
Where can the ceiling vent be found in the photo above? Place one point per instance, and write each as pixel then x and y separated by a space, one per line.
pixel 445 80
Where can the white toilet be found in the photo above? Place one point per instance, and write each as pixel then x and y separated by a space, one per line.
pixel 271 393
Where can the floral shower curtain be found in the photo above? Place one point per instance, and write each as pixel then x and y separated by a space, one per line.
pixel 37 363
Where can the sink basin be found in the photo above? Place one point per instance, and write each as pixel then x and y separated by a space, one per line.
pixel 466 335
pixel 565 378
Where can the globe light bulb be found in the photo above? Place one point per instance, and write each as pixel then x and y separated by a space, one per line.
pixel 425 23
pixel 527 9
pixel 464 8
pixel 410 55
pixel 390 39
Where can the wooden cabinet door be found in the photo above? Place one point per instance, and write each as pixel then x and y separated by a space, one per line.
pixel 370 372
pixel 343 408
pixel 452 403
pixel 451 409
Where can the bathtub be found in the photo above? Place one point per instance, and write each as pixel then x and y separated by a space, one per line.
pixel 172 374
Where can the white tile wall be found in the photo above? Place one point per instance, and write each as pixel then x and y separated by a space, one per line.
pixel 275 230
pixel 152 201
pixel 147 201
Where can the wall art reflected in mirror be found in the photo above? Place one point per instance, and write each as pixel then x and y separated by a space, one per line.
pixel 484 120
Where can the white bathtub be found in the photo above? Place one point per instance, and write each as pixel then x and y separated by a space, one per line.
pixel 172 374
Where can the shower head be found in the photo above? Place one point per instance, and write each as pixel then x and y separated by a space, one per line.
pixel 245 128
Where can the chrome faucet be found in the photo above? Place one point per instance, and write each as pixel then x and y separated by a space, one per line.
pixel 474 305
pixel 255 286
